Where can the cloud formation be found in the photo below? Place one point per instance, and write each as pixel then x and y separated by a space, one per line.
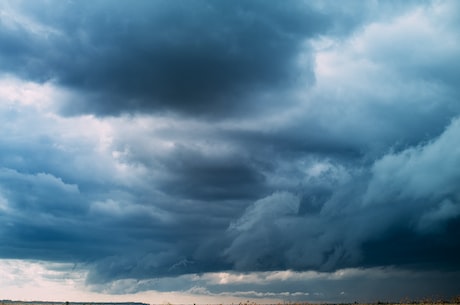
pixel 154 142
pixel 205 57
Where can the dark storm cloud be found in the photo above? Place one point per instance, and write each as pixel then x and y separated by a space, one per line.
pixel 201 57
pixel 198 57
pixel 205 177
pixel 348 285
pixel 323 209
pixel 335 216
pixel 344 286
pixel 411 198
pixel 343 153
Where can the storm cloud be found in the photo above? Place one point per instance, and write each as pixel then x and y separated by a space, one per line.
pixel 195 57
pixel 162 144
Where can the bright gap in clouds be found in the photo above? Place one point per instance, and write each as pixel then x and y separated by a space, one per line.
pixel 36 280
pixel 43 281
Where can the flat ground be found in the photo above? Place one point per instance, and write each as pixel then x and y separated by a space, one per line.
pixel 455 301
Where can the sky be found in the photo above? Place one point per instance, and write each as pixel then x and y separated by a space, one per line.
pixel 221 151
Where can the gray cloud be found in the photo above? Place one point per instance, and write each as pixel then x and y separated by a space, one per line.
pixel 207 58
pixel 204 57
pixel 412 193
pixel 345 285
pixel 218 136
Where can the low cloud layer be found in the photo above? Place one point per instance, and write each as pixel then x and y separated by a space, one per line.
pixel 158 141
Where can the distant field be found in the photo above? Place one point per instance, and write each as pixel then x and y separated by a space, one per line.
pixel 427 302
pixel 9 302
